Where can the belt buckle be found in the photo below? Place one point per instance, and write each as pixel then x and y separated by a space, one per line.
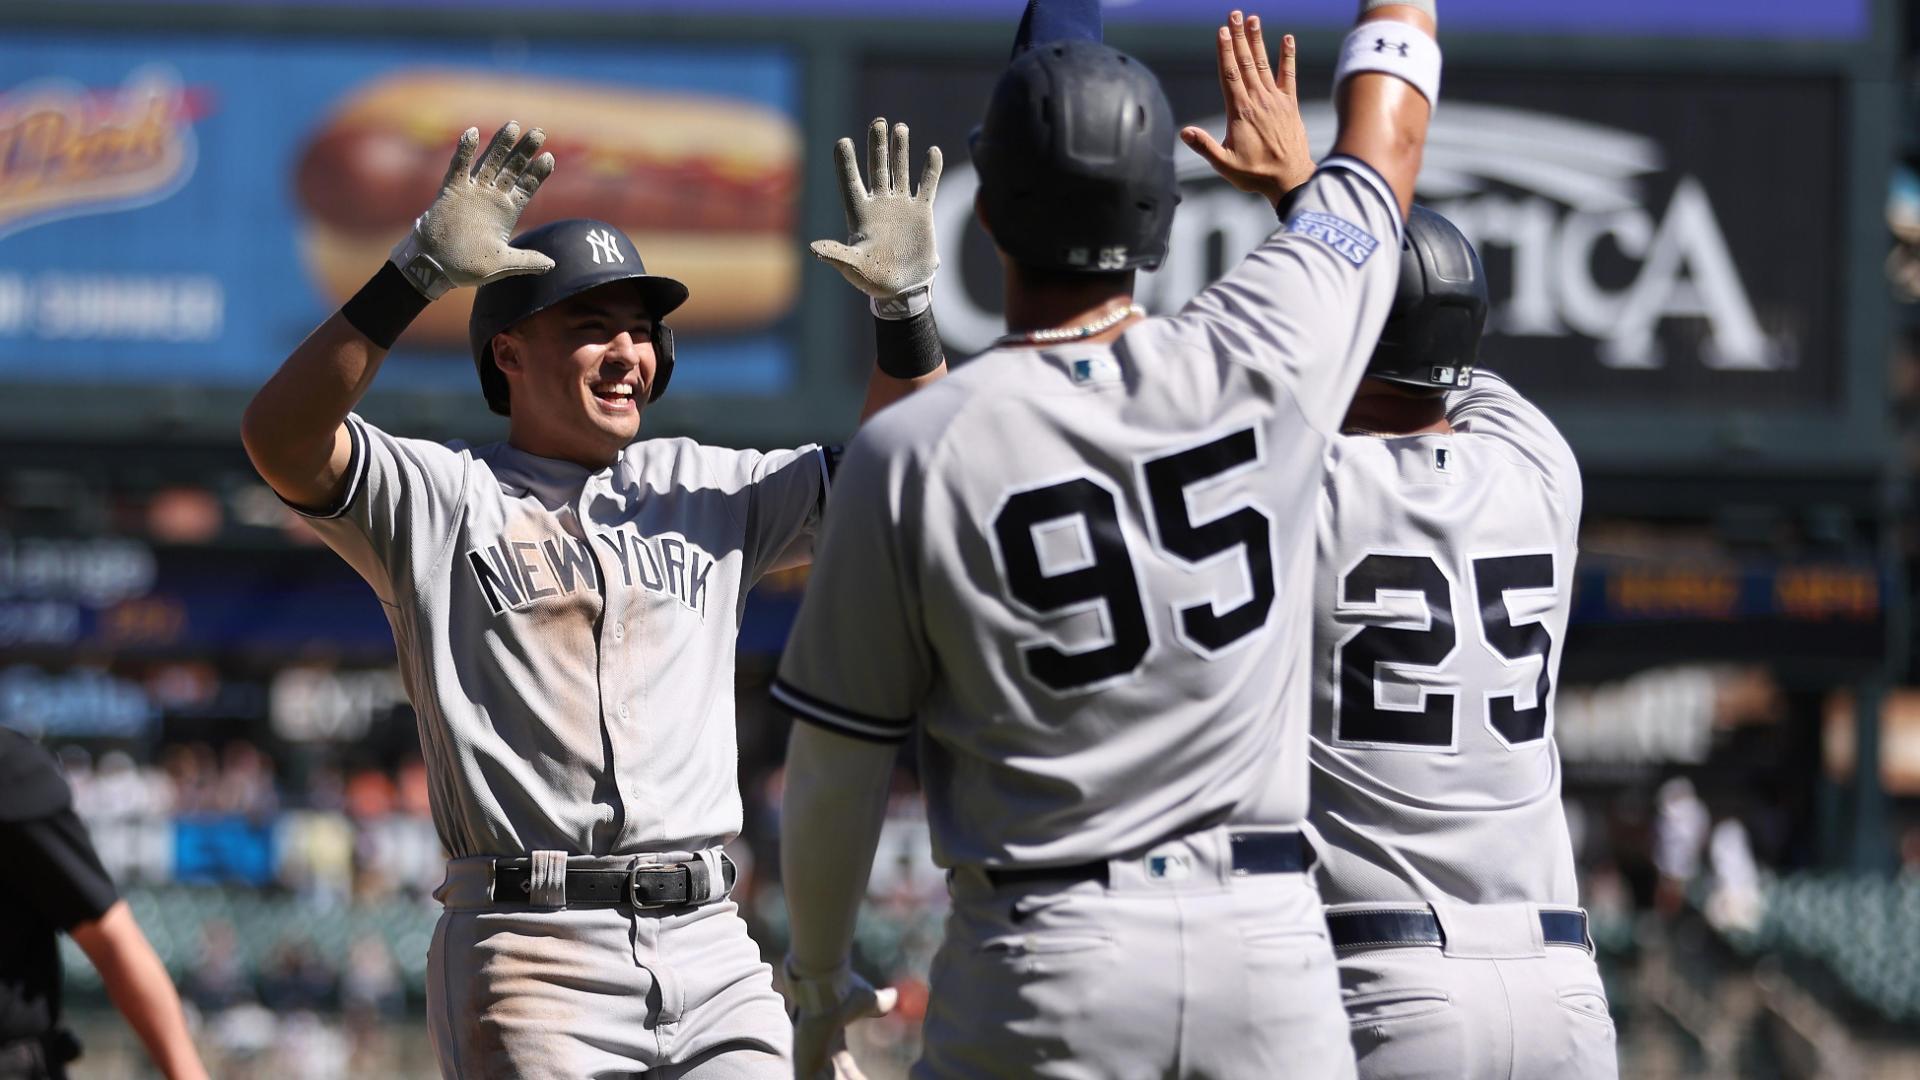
pixel 633 885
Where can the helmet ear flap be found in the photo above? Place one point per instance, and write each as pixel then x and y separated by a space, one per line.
pixel 662 360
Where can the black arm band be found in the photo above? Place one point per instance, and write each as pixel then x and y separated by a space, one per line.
pixel 907 348
pixel 384 306
pixel 1284 205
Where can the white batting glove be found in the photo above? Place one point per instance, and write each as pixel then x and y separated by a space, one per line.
pixel 822 1009
pixel 890 253
pixel 462 238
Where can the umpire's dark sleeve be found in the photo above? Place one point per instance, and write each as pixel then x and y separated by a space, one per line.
pixel 50 863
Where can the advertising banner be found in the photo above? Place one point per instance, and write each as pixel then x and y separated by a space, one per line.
pixel 1692 18
pixel 1646 239
pixel 184 209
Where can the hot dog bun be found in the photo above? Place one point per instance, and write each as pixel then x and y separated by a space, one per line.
pixel 707 187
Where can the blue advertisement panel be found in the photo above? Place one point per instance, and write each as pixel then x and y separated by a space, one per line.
pixel 1692 18
pixel 185 209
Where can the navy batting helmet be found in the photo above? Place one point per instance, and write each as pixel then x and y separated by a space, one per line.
pixel 1432 334
pixel 1075 158
pixel 586 254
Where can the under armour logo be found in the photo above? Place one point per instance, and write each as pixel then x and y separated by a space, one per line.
pixel 1382 45
pixel 606 246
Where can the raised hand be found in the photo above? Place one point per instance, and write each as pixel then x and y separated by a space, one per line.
pixel 462 238
pixel 890 249
pixel 1265 150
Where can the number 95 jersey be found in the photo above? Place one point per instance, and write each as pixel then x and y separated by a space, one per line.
pixel 1445 577
pixel 1080 574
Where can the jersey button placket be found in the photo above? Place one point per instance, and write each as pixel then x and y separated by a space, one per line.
pixel 622 683
pixel 613 596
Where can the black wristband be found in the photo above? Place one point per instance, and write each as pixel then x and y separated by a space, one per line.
pixel 907 348
pixel 385 306
pixel 1284 205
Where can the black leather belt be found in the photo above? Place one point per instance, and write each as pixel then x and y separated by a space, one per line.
pixel 1253 853
pixel 1384 929
pixel 647 886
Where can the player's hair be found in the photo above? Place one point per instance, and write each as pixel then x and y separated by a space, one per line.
pixel 1053 277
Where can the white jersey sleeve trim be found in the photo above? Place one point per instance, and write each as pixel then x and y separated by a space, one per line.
pixel 835 718
pixel 356 476
pixel 1374 180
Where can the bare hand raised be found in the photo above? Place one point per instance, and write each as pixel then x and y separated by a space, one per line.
pixel 1265 150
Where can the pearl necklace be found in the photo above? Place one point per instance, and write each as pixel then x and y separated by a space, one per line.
pixel 1074 333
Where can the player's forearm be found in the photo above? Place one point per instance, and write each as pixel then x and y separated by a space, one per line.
pixel 292 428
pixel 907 350
pixel 1383 117
pixel 834 806
pixel 883 389
pixel 137 983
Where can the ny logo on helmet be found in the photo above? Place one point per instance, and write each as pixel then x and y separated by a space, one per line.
pixel 605 243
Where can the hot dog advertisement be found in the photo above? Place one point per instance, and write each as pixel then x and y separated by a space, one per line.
pixel 181 210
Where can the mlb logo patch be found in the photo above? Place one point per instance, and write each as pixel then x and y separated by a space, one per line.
pixel 1350 241
pixel 1096 369
pixel 1442 459
pixel 1170 867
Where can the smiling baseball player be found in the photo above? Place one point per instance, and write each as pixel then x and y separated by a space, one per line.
pixel 1078 573
pixel 565 605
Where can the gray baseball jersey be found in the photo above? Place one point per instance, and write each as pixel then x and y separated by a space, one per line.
pixel 567 635
pixel 1081 573
pixel 1445 578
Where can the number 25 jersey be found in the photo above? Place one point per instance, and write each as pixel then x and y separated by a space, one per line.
pixel 1445 577
pixel 1080 574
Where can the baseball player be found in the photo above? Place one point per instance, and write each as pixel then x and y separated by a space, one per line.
pixel 565 605
pixel 1078 573
pixel 1447 535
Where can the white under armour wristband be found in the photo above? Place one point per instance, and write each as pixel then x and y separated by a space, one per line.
pixel 1391 48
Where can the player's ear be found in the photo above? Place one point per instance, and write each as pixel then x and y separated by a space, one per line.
pixel 980 214
pixel 506 352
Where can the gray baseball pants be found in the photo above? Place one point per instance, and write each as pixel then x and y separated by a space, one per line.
pixel 1173 967
pixel 546 993
pixel 1493 1002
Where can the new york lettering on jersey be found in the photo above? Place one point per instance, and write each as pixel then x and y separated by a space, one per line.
pixel 515 573
pixel 550 618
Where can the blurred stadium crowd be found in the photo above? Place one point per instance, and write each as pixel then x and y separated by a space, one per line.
pixel 288 885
